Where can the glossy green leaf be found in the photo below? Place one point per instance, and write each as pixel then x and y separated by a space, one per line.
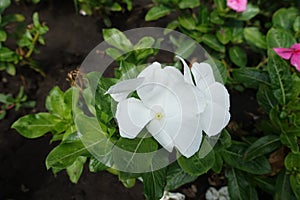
pixel 154 184
pixel 295 184
pixel 157 12
pixel 296 25
pixel 7 55
pixel 282 187
pixel 177 177
pixel 218 165
pixel 265 98
pixel 11 18
pixel 250 77
pixel 237 31
pixel 280 77
pixel 265 183
pixel 144 43
pixel 254 37
pixel 292 162
pixel 199 163
pixel 277 37
pixel 238 186
pixel 183 4
pixel 117 39
pixel 75 170
pixel 215 18
pixel 132 158
pixel 233 156
pixel 284 18
pixel 36 125
pixel 3 35
pixel 4 4
pixel 187 22
pixel 65 154
pixel 10 69
pixel 224 35
pixel 290 140
pixel 238 56
pixel 55 103
pixel 114 53
pixel 249 13
pixel 213 42
pixel 221 5
pixel 185 49
pixel 96 166
pixel 262 146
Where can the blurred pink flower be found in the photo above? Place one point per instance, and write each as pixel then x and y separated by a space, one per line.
pixel 237 5
pixel 292 53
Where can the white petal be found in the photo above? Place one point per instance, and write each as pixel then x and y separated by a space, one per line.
pixel 186 71
pixel 214 119
pixel 155 127
pixel 132 117
pixel 203 75
pixel 150 70
pixel 121 90
pixel 218 94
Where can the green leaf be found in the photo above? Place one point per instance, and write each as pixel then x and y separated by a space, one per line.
pixel 221 5
pixel 187 21
pixel 35 19
pixel 114 53
pixel 224 35
pixel 144 43
pixel 154 184
pixel 11 18
pixel 280 77
pixel 56 104
pixel 65 154
pixel 290 140
pixel 262 146
pixel 117 39
pixel 177 177
pixel 10 69
pixel 133 157
pixel 7 55
pixel 36 125
pixel 217 168
pixel 96 166
pixel 215 18
pixel 115 7
pixel 254 37
pixel 233 156
pixel 284 18
pixel 296 25
pixel 75 170
pixel 157 12
pixel 238 186
pixel 295 184
pixel 213 42
pixel 186 48
pixel 3 35
pixel 250 77
pixel 265 98
pixel 238 56
pixel 265 183
pixel 3 5
pixel 199 163
pixel 183 4
pixel 277 37
pixel 249 13
pixel 292 162
pixel 282 187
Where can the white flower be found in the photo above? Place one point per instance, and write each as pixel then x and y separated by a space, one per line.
pixel 172 196
pixel 171 107
pixel 221 194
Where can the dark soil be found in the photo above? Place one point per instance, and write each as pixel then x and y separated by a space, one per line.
pixel 23 174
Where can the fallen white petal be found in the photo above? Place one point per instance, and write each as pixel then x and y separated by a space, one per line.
pixel 132 116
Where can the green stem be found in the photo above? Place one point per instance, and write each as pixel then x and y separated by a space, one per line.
pixel 36 37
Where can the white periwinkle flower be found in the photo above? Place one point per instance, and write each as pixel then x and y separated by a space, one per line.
pixel 171 107
pixel 221 194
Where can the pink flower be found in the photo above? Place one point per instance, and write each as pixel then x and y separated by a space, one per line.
pixel 292 53
pixel 237 5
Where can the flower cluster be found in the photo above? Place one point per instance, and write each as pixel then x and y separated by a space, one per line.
pixel 174 107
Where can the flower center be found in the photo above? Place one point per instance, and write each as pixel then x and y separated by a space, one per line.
pixel 158 115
